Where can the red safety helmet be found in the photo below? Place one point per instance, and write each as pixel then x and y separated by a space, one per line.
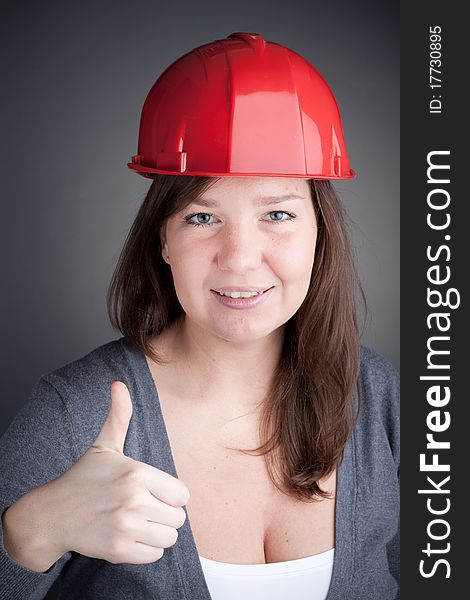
pixel 241 106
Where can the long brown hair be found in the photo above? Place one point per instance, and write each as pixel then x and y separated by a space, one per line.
pixel 309 413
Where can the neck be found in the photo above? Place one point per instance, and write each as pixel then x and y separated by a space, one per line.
pixel 221 372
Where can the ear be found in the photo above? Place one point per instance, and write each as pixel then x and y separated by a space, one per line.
pixel 163 242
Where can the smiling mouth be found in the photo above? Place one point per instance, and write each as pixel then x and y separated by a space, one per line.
pixel 259 293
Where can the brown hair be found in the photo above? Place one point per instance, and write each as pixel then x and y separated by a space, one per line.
pixel 309 413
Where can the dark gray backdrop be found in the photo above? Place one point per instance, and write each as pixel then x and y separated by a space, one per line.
pixel 75 76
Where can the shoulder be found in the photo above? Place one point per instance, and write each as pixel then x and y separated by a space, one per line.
pixel 380 398
pixel 90 369
pixel 376 369
pixel 84 386
pixel 380 381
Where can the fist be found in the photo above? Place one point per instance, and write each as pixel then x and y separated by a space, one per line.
pixel 113 507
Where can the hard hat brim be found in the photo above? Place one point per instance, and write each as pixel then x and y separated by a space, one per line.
pixel 149 172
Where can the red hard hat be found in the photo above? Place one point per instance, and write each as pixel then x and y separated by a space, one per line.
pixel 241 106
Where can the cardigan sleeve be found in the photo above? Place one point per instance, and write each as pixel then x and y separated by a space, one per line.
pixel 378 437
pixel 37 447
pixel 392 420
pixel 393 553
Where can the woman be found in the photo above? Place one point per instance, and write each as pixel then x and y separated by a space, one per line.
pixel 239 389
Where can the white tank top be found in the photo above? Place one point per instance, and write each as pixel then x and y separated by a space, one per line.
pixel 301 578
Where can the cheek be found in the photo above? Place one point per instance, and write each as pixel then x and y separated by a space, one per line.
pixel 185 252
pixel 190 269
pixel 294 255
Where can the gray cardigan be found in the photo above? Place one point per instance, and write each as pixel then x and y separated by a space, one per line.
pixel 64 415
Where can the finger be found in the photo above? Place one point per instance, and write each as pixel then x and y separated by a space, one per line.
pixel 161 512
pixel 156 535
pixel 164 486
pixel 143 554
pixel 114 430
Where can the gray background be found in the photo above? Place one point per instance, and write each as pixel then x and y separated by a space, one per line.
pixel 75 76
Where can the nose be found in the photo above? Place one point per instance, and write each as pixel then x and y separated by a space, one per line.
pixel 241 248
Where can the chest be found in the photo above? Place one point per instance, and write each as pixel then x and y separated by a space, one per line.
pixel 236 513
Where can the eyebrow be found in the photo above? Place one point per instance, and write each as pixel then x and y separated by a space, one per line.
pixel 260 200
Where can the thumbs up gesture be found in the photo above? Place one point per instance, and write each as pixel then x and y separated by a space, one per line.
pixel 113 507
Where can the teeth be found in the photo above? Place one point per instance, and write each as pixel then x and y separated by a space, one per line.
pixel 239 294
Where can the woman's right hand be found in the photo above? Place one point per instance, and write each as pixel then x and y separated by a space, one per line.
pixel 113 507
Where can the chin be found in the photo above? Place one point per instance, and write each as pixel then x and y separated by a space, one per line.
pixel 240 333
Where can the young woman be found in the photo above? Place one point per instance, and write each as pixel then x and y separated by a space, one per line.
pixel 239 389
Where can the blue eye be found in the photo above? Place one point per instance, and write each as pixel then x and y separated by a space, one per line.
pixel 206 224
pixel 280 212
pixel 189 217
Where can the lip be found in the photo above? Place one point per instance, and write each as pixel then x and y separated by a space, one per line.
pixel 243 303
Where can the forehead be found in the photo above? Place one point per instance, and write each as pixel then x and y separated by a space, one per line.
pixel 255 189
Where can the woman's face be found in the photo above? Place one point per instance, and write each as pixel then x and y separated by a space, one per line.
pixel 249 232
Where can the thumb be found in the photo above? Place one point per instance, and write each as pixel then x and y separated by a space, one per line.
pixel 113 433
